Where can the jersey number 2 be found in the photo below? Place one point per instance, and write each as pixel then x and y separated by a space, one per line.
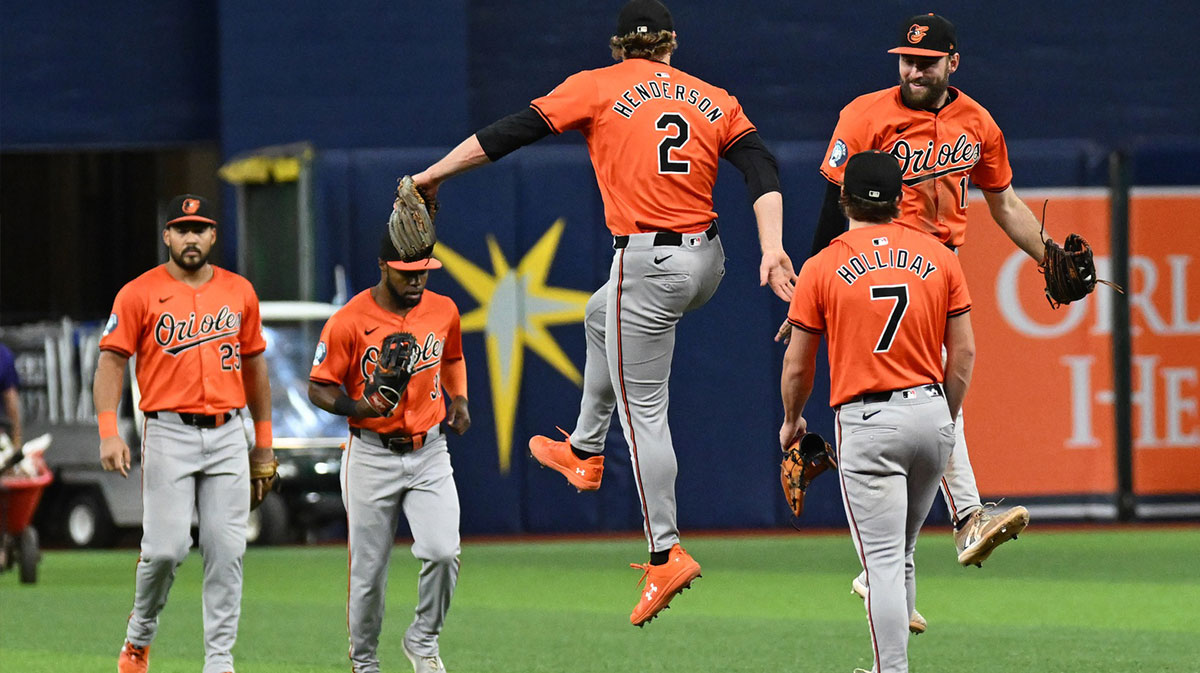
pixel 898 294
pixel 680 138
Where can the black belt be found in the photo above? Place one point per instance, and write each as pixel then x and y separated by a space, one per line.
pixel 666 237
pixel 875 398
pixel 196 420
pixel 398 443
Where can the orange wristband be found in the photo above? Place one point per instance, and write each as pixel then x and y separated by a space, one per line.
pixel 108 424
pixel 262 434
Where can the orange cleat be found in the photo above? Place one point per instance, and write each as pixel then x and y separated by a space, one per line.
pixel 133 659
pixel 662 583
pixel 583 474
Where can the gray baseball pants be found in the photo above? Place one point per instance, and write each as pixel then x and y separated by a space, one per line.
pixel 185 468
pixel 890 456
pixel 630 325
pixel 376 485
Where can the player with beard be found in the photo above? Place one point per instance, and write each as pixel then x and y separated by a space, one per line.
pixel 398 461
pixel 197 335
pixel 942 139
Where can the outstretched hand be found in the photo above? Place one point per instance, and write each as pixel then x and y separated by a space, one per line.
pixel 426 185
pixel 776 270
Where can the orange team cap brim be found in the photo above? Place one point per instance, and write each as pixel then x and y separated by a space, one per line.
pixel 191 218
pixel 913 51
pixel 419 265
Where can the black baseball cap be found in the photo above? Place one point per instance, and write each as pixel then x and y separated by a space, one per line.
pixel 644 16
pixel 389 254
pixel 873 176
pixel 189 208
pixel 926 35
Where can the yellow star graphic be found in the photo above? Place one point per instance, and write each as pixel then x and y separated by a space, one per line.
pixel 515 308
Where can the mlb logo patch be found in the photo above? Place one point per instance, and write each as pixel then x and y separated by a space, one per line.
pixel 908 394
pixel 882 240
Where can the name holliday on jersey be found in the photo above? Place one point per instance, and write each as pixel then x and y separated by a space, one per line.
pixel 192 332
pixel 426 356
pixel 652 89
pixel 897 258
pixel 924 163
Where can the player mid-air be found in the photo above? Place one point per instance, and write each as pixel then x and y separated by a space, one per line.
pixel 655 135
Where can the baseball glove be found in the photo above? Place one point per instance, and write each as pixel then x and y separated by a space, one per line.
pixel 265 473
pixel 411 223
pixel 803 462
pixel 1069 269
pixel 397 356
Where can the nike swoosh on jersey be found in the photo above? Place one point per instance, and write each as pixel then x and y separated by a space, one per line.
pixel 368 331
pixel 162 300
pixel 867 416
pixel 660 260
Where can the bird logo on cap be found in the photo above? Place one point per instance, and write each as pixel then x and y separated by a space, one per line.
pixel 190 206
pixel 916 33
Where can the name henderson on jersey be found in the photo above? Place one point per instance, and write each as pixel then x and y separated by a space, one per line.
pixel 665 90
pixel 897 258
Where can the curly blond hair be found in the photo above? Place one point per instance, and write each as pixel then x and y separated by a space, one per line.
pixel 654 46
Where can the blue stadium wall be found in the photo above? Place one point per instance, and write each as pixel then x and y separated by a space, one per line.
pixel 368 73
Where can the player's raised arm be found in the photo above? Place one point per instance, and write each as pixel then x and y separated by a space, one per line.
pixel 106 392
pixel 1017 221
pixel 761 171
pixel 488 145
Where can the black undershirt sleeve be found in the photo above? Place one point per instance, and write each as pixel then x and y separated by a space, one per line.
pixel 512 132
pixel 756 162
pixel 832 221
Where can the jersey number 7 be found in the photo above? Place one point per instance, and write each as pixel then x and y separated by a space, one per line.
pixel 899 295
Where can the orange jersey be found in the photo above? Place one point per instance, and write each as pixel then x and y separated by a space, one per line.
pixel 349 348
pixel 938 153
pixel 189 342
pixel 654 134
pixel 881 295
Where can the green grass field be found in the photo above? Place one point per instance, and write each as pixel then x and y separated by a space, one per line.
pixel 1109 601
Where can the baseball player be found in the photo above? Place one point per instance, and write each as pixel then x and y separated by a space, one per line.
pixel 10 390
pixel 195 331
pixel 887 298
pixel 942 138
pixel 396 458
pixel 654 134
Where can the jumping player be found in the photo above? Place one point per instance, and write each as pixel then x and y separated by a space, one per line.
pixel 197 336
pixel 887 298
pixel 942 138
pixel 654 134
pixel 398 461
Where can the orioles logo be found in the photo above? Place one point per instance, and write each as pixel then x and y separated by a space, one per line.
pixel 190 206
pixel 917 33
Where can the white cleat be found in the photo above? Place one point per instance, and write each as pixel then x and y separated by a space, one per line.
pixel 423 664
pixel 986 530
pixel 916 623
